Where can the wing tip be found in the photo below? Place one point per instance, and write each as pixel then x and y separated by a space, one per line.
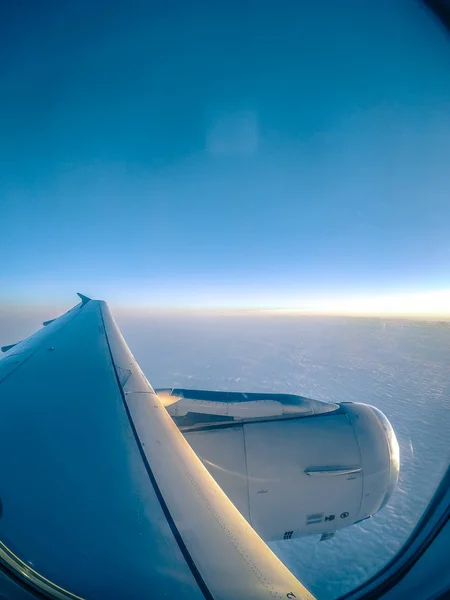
pixel 84 299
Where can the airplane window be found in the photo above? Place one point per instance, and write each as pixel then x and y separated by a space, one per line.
pixel 260 191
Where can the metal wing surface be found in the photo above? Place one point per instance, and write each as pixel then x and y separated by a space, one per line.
pixel 101 495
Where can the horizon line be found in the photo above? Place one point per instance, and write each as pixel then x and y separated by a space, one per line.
pixel 430 305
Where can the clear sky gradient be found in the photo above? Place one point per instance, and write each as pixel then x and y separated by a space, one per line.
pixel 223 154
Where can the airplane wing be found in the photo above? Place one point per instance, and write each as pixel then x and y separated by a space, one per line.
pixel 101 495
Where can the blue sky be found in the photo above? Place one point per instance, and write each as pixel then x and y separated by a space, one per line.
pixel 240 154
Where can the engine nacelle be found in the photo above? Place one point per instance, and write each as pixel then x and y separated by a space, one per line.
pixel 306 475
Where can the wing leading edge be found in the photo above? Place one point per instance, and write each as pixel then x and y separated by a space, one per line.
pixel 102 495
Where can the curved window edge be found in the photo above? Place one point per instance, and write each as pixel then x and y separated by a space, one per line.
pixel 33 582
pixel 429 529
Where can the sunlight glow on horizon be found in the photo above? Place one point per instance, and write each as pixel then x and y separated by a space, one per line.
pixel 434 304
pixel 430 304
pixel 423 304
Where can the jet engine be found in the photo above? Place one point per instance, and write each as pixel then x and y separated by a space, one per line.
pixel 292 466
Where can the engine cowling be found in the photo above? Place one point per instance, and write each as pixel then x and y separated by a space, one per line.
pixel 293 476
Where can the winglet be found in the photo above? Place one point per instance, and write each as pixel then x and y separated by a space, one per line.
pixel 84 299
pixel 45 323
